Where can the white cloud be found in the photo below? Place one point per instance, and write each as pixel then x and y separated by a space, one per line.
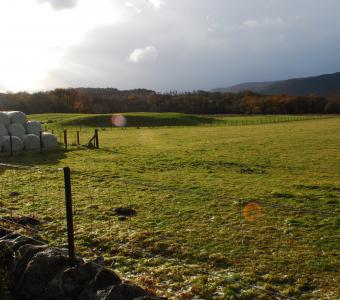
pixel 157 4
pixel 60 4
pixel 250 23
pixel 265 22
pixel 133 7
pixel 143 54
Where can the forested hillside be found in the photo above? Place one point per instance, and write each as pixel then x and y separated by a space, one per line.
pixel 96 100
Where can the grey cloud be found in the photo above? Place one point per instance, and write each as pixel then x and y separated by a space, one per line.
pixel 205 44
pixel 60 4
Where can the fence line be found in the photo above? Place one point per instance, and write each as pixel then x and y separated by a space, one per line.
pixel 68 197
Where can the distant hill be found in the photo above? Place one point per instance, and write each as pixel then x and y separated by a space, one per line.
pixel 322 85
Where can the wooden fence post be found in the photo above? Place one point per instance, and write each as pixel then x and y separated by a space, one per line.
pixel 11 145
pixel 96 138
pixel 69 216
pixel 65 139
pixel 40 140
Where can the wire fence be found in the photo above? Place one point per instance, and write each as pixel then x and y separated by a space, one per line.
pixel 133 217
pixel 27 194
pixel 75 138
pixel 270 119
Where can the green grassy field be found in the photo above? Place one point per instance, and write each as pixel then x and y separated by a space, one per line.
pixel 192 236
pixel 58 121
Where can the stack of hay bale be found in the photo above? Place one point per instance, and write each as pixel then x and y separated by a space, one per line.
pixel 20 134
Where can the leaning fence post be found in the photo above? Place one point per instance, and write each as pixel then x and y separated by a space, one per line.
pixel 69 216
pixel 40 140
pixel 96 138
pixel 11 145
pixel 78 138
pixel 65 139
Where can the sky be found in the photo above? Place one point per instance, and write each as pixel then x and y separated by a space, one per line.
pixel 164 45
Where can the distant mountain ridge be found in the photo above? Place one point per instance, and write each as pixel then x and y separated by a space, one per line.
pixel 322 85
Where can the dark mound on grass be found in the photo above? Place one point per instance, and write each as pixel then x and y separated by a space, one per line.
pixel 141 120
pixel 125 211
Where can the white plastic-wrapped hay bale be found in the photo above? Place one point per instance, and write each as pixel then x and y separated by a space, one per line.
pixel 17 144
pixel 33 127
pixel 16 129
pixel 4 119
pixel 49 141
pixel 17 117
pixel 3 130
pixel 31 142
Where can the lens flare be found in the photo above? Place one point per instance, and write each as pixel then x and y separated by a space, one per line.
pixel 252 211
pixel 119 121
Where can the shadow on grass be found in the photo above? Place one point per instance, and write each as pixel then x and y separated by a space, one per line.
pixel 34 159
pixel 144 120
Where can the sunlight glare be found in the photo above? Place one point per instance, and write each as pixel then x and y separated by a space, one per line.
pixel 35 41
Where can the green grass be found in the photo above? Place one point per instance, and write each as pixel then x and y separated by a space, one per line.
pixel 188 185
pixel 163 119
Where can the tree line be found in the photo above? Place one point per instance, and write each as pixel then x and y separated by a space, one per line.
pixel 109 100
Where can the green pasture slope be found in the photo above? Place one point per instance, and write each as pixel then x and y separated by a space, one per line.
pixel 192 237
pixel 162 119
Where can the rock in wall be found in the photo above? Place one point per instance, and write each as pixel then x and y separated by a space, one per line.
pixel 33 271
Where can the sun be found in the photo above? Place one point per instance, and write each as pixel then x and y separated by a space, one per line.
pixel 35 38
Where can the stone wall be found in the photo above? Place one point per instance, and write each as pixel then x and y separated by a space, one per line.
pixel 31 271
